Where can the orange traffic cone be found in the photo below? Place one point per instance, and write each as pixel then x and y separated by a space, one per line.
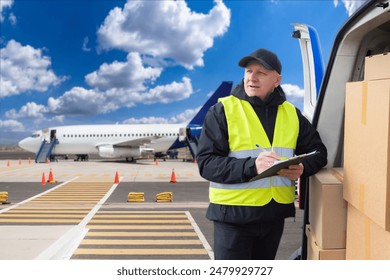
pixel 156 161
pixel 116 178
pixel 20 162
pixel 43 179
pixel 47 160
pixel 8 164
pixel 51 179
pixel 173 176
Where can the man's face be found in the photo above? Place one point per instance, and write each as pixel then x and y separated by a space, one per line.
pixel 259 81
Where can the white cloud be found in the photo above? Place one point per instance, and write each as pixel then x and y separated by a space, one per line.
pixel 294 94
pixel 129 75
pixel 4 4
pixel 80 101
pixel 12 19
pixel 85 45
pixel 24 68
pixel 184 117
pixel 164 29
pixel 146 120
pixel 90 102
pixel 58 119
pixel 169 93
pixel 350 5
pixel 30 110
pixel 293 91
pixel 11 126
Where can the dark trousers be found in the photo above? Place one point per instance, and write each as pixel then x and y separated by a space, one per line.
pixel 257 241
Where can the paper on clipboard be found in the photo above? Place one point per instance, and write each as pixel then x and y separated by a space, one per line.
pixel 282 164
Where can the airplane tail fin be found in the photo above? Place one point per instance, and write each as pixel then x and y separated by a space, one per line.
pixel 188 136
pixel 223 90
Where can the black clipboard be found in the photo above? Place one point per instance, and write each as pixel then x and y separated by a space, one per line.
pixel 282 164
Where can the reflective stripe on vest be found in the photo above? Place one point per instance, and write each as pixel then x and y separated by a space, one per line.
pixel 245 131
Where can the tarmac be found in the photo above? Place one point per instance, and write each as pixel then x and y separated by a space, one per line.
pixel 79 210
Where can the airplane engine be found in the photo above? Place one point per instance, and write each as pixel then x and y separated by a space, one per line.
pixel 116 152
pixel 191 132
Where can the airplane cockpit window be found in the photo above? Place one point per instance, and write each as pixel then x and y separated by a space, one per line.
pixel 35 135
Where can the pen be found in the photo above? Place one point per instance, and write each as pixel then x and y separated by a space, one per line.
pixel 261 148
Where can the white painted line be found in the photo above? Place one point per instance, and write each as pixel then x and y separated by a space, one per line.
pixel 94 210
pixel 202 238
pixel 64 247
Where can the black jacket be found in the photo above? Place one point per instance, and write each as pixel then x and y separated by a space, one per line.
pixel 215 165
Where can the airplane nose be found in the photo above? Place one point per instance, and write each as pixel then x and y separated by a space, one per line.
pixel 23 144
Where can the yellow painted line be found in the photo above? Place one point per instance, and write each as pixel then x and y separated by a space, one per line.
pixel 86 187
pixel 160 227
pixel 140 252
pixel 72 194
pixel 68 197
pixel 63 202
pixel 55 211
pixel 139 242
pixel 138 216
pixel 142 212
pixel 127 221
pixel 49 199
pixel 38 215
pixel 129 234
pixel 40 221
pixel 83 189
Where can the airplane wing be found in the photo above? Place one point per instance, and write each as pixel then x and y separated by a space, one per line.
pixel 135 143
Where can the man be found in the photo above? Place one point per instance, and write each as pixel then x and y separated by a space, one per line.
pixel 243 135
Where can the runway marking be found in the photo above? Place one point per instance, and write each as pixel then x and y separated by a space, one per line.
pixel 127 221
pixel 139 242
pixel 141 235
pixel 146 227
pixel 54 207
pixel 145 252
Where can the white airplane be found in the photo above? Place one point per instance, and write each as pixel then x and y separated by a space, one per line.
pixel 118 140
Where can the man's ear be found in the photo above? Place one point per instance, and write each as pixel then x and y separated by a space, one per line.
pixel 278 80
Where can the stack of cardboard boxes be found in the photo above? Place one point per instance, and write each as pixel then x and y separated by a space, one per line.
pixel 326 232
pixel 367 161
pixel 349 208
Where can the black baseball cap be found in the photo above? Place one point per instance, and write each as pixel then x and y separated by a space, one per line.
pixel 265 57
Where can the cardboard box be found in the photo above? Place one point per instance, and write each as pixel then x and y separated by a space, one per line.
pixel 327 209
pixel 365 239
pixel 315 252
pixel 377 67
pixel 367 149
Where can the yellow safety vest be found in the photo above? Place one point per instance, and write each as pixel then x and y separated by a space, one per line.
pixel 245 131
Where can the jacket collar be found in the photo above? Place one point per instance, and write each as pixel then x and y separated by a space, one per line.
pixel 276 98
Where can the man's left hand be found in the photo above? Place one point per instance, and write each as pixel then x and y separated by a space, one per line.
pixel 293 172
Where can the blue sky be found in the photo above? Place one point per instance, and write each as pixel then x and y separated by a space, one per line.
pixel 69 62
